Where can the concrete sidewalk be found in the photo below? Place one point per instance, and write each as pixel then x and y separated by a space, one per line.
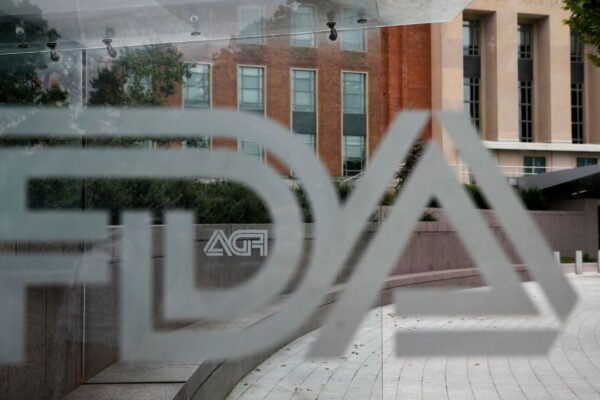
pixel 371 370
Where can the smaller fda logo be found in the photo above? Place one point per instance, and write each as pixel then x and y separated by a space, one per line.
pixel 239 243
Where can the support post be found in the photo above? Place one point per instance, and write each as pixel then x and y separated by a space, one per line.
pixel 578 262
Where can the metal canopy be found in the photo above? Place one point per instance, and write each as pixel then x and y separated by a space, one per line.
pixel 582 181
pixel 85 23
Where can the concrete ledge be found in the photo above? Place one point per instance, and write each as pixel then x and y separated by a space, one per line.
pixel 214 380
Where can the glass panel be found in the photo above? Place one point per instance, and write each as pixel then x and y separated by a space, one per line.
pixel 353 39
pixel 471 37
pixel 471 99
pixel 303 20
pixel 354 93
pixel 249 237
pixel 354 155
pixel 251 149
pixel 577 121
pixel 576 47
pixel 586 161
pixel 197 87
pixel 251 88
pixel 250 21
pixel 525 41
pixel 525 111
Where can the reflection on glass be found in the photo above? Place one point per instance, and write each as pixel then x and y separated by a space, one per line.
pixel 355 122
pixel 304 113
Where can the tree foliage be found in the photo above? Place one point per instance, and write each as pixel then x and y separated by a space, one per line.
pixel 21 82
pixel 585 19
pixel 409 164
pixel 141 76
pixel 219 202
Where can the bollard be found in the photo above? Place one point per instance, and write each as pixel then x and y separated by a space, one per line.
pixel 578 262
pixel 557 258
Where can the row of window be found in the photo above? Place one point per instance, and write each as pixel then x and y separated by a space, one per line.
pixel 251 98
pixel 537 165
pixel 472 76
pixel 303 18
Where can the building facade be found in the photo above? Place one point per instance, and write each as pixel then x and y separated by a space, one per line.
pixel 514 68
pixel 337 97
pixel 522 78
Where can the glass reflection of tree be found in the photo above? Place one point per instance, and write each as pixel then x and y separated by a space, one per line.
pixel 21 75
pixel 141 76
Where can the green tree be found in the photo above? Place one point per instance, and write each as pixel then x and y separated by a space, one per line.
pixel 20 74
pixel 585 19
pixel 409 164
pixel 141 76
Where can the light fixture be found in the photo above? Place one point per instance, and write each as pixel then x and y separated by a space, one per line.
pixel 194 20
pixel 111 50
pixel 332 31
pixel 20 32
pixel 362 18
pixel 54 56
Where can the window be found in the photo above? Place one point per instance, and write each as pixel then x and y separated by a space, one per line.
pixel 577 85
pixel 354 155
pixel 251 98
pixel 353 39
pixel 534 165
pixel 304 112
pixel 197 143
pixel 196 93
pixel 354 122
pixel 525 42
pixel 586 161
pixel 250 23
pixel 577 112
pixel 251 89
pixel 576 48
pixel 470 37
pixel 471 100
pixel 525 111
pixel 303 20
pixel 251 149
pixel 525 83
pixel 471 71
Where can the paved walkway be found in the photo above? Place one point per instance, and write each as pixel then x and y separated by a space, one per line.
pixel 371 370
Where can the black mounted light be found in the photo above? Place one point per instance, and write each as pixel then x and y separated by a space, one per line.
pixel 54 56
pixel 333 35
pixel 111 50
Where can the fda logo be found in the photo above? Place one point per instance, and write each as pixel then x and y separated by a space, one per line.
pixel 336 230
pixel 240 243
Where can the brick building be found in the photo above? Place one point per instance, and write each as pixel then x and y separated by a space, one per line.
pixel 338 97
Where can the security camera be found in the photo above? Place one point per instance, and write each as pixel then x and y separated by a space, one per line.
pixel 333 32
pixel 54 55
pixel 111 50
pixel 19 30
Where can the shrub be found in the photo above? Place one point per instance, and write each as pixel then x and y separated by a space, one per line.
pixel 533 198
pixel 428 217
pixel 220 202
pixel 477 196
